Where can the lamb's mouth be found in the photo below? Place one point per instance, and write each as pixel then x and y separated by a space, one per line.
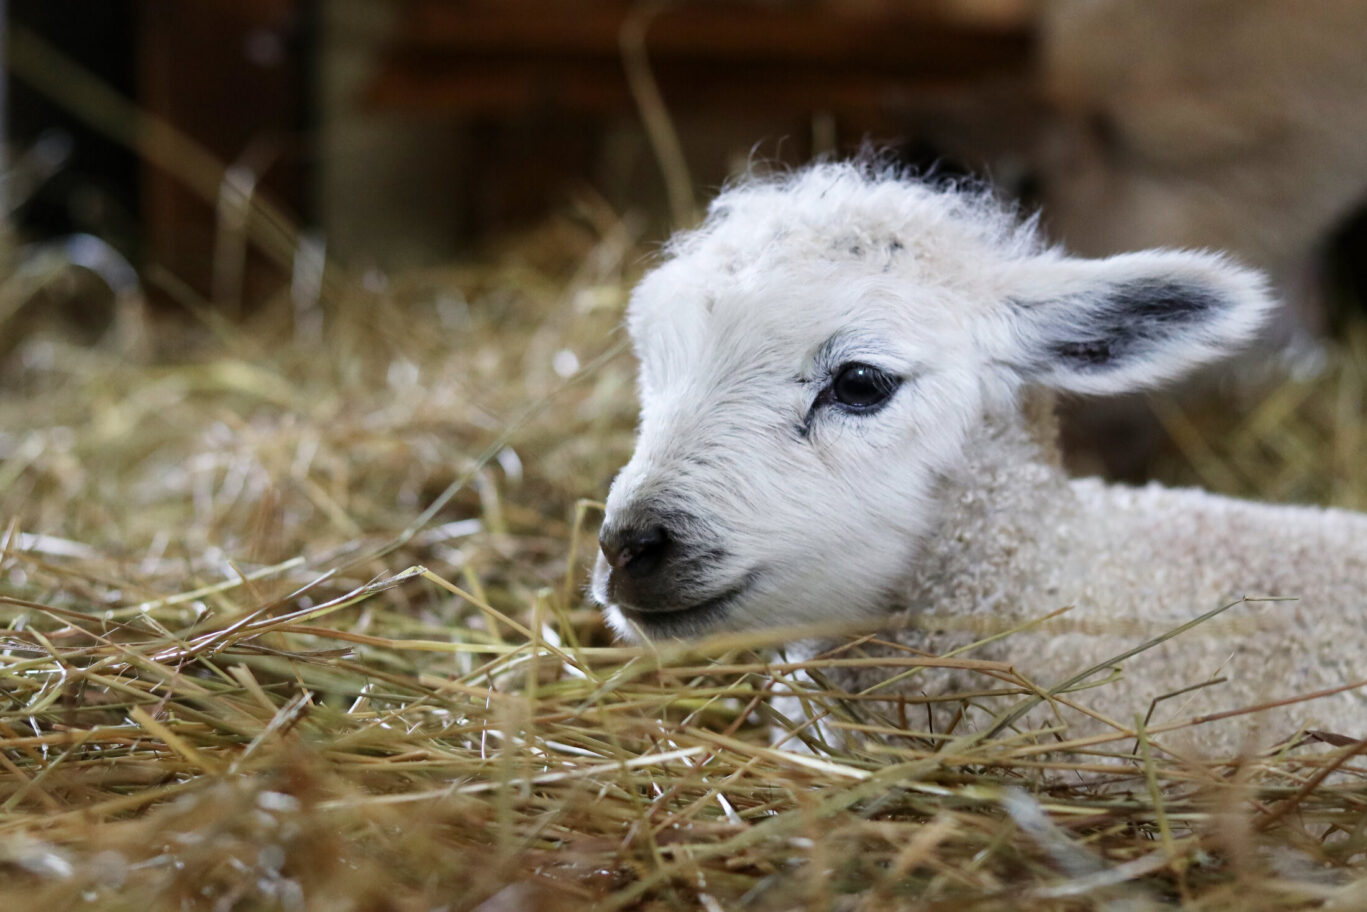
pixel 688 620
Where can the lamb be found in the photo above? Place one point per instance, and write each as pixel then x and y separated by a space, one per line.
pixel 833 371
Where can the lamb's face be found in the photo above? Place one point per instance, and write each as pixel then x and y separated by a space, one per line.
pixel 793 427
pixel 811 363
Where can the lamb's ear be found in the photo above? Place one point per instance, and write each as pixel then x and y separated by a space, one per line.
pixel 1130 321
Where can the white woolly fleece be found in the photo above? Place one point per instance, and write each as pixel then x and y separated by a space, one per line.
pixel 784 504
pixel 1016 540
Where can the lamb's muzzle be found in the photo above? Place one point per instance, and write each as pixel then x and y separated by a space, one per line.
pixel 658 571
pixel 830 375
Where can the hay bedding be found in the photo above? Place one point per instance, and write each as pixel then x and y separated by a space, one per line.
pixel 293 620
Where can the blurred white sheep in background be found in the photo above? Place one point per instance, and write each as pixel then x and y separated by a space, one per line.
pixel 1234 124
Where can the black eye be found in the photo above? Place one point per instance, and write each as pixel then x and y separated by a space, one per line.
pixel 860 387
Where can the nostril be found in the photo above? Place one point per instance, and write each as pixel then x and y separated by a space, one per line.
pixel 637 552
pixel 644 551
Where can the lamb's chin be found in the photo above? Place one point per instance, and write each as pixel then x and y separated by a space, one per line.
pixel 713 615
pixel 639 627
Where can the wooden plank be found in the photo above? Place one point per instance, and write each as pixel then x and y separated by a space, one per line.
pixel 479 57
pixel 506 87
pixel 916 37
pixel 197 71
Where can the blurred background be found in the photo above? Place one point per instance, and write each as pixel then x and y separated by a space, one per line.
pixel 407 132
pixel 232 156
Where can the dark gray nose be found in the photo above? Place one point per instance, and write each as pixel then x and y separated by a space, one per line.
pixel 637 552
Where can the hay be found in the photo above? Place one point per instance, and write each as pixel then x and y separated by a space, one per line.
pixel 293 619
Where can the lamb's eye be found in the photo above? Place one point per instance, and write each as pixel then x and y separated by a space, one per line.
pixel 859 387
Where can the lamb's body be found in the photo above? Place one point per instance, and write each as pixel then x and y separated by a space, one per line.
pixel 830 375
pixel 1018 540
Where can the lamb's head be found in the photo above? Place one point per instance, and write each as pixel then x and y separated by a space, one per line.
pixel 812 361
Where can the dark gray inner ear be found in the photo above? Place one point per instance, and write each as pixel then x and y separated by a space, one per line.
pixel 1124 322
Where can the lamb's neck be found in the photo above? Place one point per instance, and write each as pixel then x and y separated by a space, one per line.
pixel 1007 526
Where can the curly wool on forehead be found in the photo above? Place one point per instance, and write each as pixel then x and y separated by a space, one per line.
pixel 854 208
